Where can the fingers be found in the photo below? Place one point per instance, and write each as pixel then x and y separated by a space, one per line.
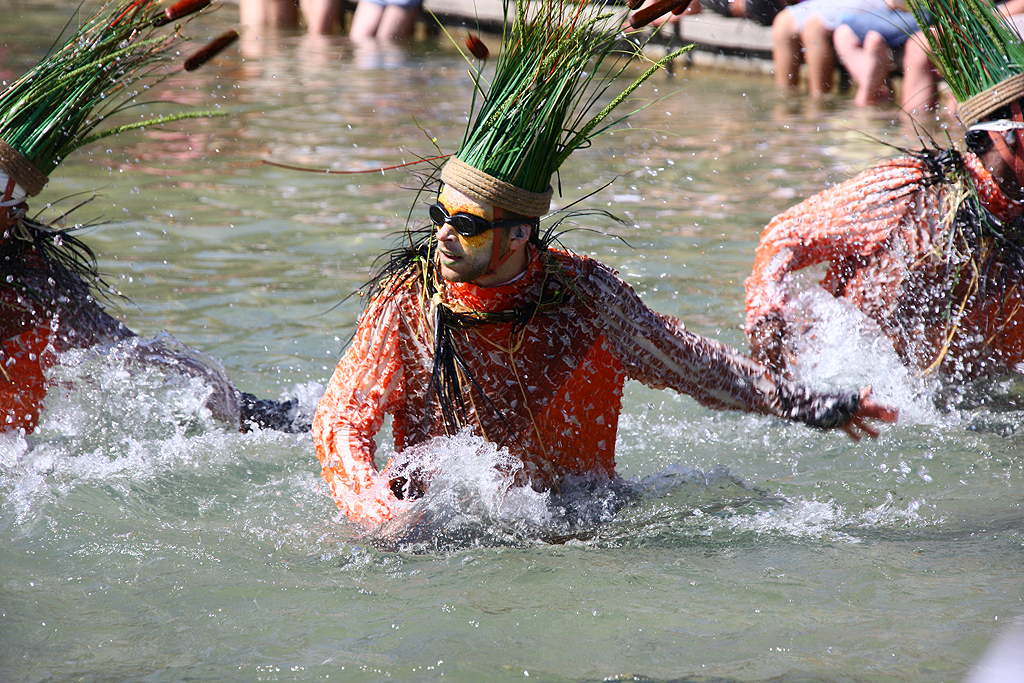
pixel 849 429
pixel 872 410
pixel 866 428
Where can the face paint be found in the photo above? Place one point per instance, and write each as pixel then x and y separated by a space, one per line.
pixel 463 259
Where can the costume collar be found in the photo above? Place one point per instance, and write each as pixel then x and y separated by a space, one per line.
pixel 522 289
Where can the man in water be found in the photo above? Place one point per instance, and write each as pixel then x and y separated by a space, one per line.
pixel 929 245
pixel 49 283
pixel 482 325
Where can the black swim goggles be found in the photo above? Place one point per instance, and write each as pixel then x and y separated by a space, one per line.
pixel 466 224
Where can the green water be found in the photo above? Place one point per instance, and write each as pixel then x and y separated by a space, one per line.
pixel 142 541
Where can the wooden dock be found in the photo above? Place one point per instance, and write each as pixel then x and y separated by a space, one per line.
pixel 720 41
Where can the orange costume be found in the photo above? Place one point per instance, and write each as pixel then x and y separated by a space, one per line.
pixel 48 290
pixel 44 310
pixel 548 386
pixel 894 238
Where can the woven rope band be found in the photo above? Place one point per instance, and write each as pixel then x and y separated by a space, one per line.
pixel 21 170
pixel 485 188
pixel 987 101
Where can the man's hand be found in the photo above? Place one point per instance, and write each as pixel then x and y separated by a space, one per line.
pixel 857 426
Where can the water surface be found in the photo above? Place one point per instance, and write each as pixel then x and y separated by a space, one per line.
pixel 142 540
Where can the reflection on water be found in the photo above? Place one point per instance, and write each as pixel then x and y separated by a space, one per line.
pixel 142 540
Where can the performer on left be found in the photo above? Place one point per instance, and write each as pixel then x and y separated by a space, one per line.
pixel 49 283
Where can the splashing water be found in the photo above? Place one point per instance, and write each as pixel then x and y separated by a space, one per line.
pixel 126 413
pixel 840 346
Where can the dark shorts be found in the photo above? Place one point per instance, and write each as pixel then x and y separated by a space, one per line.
pixel 407 4
pixel 761 11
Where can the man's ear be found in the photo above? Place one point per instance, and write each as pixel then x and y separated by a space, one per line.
pixel 518 236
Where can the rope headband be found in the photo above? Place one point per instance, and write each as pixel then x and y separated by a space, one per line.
pixel 486 188
pixel 22 171
pixel 976 108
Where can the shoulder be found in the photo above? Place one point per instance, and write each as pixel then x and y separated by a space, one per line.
pixel 886 182
pixel 397 296
pixel 577 265
pixel 899 175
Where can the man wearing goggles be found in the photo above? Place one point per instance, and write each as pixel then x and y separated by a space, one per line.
pixel 482 325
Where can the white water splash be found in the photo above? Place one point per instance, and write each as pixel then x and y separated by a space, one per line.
pixel 110 417
pixel 838 346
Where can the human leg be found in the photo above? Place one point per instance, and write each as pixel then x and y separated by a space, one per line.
pixel 397 22
pixel 271 13
pixel 819 55
pixel 365 20
pixel 879 65
pixel 786 50
pixel 920 80
pixel 869 62
pixel 322 16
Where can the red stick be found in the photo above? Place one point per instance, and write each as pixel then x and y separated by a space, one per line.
pixel 180 9
pixel 210 51
pixel 477 47
pixel 661 7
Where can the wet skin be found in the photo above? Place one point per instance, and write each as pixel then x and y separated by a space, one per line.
pixel 468 259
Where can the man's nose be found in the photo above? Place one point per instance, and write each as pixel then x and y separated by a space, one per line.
pixel 445 231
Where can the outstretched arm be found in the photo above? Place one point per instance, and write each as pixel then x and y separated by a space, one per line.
pixel 658 351
pixel 367 384
pixel 855 218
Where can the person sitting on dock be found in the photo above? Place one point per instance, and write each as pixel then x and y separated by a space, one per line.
pixel 481 324
pixel 802 34
pixel 49 283
pixel 866 43
pixel 929 245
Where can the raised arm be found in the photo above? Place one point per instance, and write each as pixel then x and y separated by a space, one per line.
pixel 854 218
pixel 367 384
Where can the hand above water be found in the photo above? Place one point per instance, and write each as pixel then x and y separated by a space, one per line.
pixel 857 426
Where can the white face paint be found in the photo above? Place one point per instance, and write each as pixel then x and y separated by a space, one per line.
pixel 997 126
pixel 17 197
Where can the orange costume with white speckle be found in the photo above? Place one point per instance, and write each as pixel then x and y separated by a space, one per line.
pixel 549 391
pixel 883 234
pixel 33 333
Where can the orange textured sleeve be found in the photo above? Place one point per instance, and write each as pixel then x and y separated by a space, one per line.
pixel 367 384
pixel 855 218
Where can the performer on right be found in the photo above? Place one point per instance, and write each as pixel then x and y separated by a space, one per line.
pixel 929 245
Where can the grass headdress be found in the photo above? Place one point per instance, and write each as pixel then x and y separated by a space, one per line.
pixel 560 58
pixel 61 103
pixel 978 51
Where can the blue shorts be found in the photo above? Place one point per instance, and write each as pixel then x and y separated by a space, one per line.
pixel 894 26
pixel 830 11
